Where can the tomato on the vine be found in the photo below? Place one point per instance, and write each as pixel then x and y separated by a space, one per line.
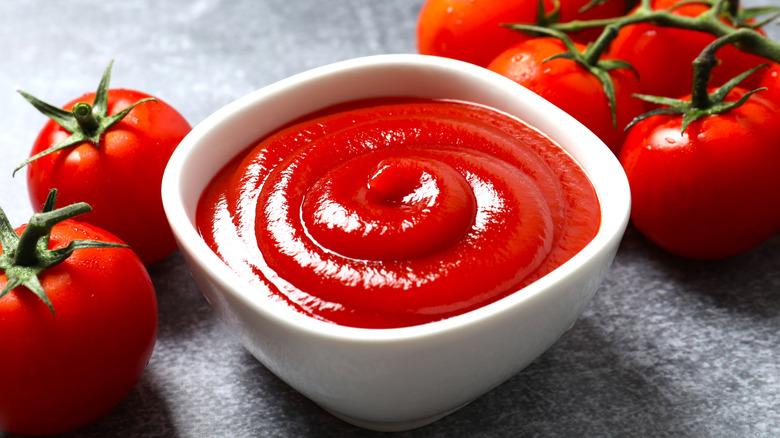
pixel 471 31
pixel 75 334
pixel 118 171
pixel 571 87
pixel 663 55
pixel 706 193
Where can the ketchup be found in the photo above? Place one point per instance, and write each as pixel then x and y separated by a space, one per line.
pixel 395 212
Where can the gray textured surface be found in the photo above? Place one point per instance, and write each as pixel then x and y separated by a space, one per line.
pixel 667 347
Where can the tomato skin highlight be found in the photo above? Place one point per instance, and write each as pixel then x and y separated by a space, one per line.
pixel 469 30
pixel 571 87
pixel 663 55
pixel 121 179
pixel 378 213
pixel 706 194
pixel 63 371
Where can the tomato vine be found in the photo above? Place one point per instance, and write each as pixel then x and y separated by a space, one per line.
pixel 725 19
pixel 702 102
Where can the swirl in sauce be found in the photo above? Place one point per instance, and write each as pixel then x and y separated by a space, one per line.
pixel 397 212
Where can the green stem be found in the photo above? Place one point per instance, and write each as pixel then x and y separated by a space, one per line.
pixel 39 226
pixel 732 7
pixel 86 119
pixel 748 40
pixel 594 51
pixel 706 61
pixel 709 21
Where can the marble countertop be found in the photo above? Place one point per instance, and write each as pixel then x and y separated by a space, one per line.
pixel 667 347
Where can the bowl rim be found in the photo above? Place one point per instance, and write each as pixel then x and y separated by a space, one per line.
pixel 613 221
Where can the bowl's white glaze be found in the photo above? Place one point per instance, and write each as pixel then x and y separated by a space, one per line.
pixel 392 379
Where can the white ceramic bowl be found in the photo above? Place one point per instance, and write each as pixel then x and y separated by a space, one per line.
pixel 392 379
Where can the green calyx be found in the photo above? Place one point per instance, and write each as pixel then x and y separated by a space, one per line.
pixel 84 122
pixel 690 111
pixel 703 103
pixel 589 59
pixel 25 257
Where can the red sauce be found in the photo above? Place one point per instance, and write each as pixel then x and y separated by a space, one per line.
pixel 397 212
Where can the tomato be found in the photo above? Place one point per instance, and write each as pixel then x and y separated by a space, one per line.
pixel 663 55
pixel 571 87
pixel 65 368
pixel 706 193
pixel 469 30
pixel 121 178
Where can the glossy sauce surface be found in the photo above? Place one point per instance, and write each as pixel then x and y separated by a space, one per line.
pixel 396 212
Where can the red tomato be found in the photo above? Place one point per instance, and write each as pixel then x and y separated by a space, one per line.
pixel 469 30
pixel 706 194
pixel 121 179
pixel 571 87
pixel 663 55
pixel 65 370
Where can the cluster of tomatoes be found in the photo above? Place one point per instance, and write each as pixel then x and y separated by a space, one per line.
pixel 78 310
pixel 703 192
